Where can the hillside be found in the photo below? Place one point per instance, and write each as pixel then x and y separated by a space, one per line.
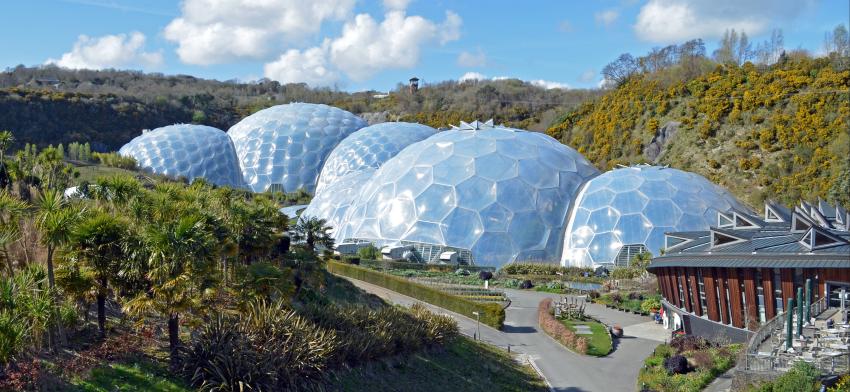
pixel 50 105
pixel 778 131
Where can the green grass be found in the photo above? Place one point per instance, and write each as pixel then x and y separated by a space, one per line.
pixel 464 365
pixel 717 361
pixel 599 344
pixel 131 377
pixel 91 173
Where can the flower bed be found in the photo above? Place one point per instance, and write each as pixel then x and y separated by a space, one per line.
pixel 686 364
pixel 556 329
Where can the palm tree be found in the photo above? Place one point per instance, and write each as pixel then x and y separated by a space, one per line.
pixel 55 219
pixel 182 254
pixel 313 231
pixel 6 140
pixel 97 243
pixel 11 211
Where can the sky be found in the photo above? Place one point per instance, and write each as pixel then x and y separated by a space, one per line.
pixel 357 45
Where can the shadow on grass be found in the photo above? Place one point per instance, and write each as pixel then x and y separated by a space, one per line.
pixel 142 376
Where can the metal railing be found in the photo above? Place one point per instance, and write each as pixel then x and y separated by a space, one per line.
pixel 819 307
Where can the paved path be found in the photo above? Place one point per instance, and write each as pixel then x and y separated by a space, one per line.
pixel 565 370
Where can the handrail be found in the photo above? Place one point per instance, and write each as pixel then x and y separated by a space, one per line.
pixel 818 307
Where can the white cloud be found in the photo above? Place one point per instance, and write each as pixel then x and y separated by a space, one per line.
pixel 309 66
pixel 587 76
pixel 672 21
pixel 472 76
pixel 471 60
pixel 547 84
pixel 607 17
pixel 396 5
pixel 216 31
pixel 566 26
pixel 365 48
pixel 109 51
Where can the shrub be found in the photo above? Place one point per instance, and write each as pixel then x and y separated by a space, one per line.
pixel 526 284
pixel 635 296
pixel 802 377
pixel 369 252
pixel 689 343
pixel 593 294
pixel 703 360
pixel 676 364
pixel 557 329
pixel 616 298
pixel 492 314
pixel 268 348
pixel 485 275
pixel 462 272
pixel 354 260
pixel 650 305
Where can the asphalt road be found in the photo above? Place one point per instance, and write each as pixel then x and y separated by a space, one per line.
pixel 562 368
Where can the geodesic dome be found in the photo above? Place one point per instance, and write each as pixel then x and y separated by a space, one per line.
pixel 497 194
pixel 625 211
pixel 285 146
pixel 187 150
pixel 369 148
pixel 333 204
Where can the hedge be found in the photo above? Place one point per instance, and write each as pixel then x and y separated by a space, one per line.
pixel 390 264
pixel 492 314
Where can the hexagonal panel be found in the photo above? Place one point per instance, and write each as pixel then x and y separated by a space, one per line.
pixel 306 132
pixel 488 184
pixel 658 203
pixel 186 150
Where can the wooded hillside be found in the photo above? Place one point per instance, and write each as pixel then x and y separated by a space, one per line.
pixel 778 131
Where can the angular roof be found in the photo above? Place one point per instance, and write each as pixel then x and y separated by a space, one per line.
pixel 774 245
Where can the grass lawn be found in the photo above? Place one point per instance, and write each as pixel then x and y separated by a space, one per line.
pixel 465 365
pixel 91 173
pixel 142 376
pixel 599 343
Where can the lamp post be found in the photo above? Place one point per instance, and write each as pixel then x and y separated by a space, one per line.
pixel 477 325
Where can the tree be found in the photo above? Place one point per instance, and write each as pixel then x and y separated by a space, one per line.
pixel 11 211
pixel 55 220
pixel 314 231
pixel 6 140
pixel 837 41
pixel 97 245
pixel 182 254
pixel 621 69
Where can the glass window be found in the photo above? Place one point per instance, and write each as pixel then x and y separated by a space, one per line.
pixel 760 296
pixel 701 287
pixel 777 291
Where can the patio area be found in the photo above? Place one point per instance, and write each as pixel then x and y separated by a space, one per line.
pixel 825 344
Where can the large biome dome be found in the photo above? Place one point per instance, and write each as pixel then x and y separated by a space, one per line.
pixel 284 147
pixel 369 148
pixel 627 211
pixel 332 204
pixel 189 151
pixel 496 194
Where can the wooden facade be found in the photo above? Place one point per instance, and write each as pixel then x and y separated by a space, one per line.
pixel 732 294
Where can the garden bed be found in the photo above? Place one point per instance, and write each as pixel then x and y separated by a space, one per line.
pixel 686 364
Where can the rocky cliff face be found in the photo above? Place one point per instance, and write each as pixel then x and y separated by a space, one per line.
pixel 663 135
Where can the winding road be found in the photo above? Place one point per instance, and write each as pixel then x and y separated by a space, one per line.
pixel 564 370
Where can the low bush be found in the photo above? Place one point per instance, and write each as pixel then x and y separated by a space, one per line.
pixel 676 364
pixel 557 329
pixel 689 343
pixel 485 275
pixel 369 252
pixel 802 377
pixel 492 314
pixel 526 284
pixel 542 269
pixel 650 305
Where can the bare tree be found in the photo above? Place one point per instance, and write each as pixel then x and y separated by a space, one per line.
pixel 621 69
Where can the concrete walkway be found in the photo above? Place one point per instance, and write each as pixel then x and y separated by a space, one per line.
pixel 562 368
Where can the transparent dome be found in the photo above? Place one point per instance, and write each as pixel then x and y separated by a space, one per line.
pixel 500 193
pixel 370 147
pixel 623 209
pixel 333 204
pixel 286 145
pixel 189 151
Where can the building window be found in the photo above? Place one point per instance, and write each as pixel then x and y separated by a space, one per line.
pixel 745 315
pixel 701 287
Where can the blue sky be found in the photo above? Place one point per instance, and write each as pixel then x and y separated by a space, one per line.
pixel 357 44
